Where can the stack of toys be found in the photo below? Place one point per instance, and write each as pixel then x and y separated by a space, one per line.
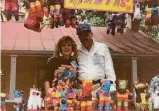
pixel 62 95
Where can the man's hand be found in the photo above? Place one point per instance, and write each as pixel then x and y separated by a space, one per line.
pixel 113 87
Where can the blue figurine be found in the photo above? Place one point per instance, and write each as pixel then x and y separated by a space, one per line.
pixel 63 95
pixel 18 100
pixel 63 105
pixel 104 96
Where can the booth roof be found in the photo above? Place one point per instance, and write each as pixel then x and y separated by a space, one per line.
pixel 16 39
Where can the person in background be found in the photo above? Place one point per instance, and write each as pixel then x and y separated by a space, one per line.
pixel 94 59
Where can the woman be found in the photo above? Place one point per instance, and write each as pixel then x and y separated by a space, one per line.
pixel 65 52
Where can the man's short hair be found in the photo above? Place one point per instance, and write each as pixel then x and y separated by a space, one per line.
pixel 83 27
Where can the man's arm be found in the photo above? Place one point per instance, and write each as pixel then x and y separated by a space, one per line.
pixel 109 69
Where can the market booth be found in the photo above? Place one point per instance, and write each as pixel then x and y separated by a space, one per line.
pixel 25 54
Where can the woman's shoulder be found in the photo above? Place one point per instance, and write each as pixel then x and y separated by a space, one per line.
pixel 51 60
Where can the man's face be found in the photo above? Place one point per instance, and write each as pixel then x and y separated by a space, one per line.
pixel 85 37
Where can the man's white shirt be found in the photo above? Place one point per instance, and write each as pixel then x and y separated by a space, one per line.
pixel 96 64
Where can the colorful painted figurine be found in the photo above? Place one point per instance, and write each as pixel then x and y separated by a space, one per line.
pixel 63 104
pixel 35 100
pixel 104 96
pixel 86 97
pixel 137 13
pixel 116 21
pixel 55 100
pixel 18 100
pixel 3 96
pixel 142 97
pixel 47 19
pixel 11 8
pixel 52 8
pixel 70 98
pixel 122 95
pixel 35 16
pixel 58 19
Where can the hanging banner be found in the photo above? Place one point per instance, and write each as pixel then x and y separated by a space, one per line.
pixel 125 6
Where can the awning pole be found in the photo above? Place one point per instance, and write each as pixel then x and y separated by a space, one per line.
pixel 12 76
pixel 134 73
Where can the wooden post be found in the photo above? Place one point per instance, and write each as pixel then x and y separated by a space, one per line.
pixel 134 73
pixel 12 76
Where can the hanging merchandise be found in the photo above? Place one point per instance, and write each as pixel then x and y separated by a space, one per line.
pixel 148 16
pixel 112 24
pixel 58 19
pixel 69 18
pixel 11 7
pixel 148 20
pixel 116 20
pixel 121 22
pixel 137 12
pixel 155 15
pixel 155 20
pixel 73 21
pixel 35 16
pixel 52 9
pixel 47 19
pixel 39 9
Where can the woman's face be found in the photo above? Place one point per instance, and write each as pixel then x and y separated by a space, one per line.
pixel 66 48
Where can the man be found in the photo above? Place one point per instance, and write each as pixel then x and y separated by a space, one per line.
pixel 94 59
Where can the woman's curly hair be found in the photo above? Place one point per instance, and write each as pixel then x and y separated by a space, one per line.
pixel 59 45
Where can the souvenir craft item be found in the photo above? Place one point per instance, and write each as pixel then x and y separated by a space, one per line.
pixel 35 100
pixel 104 97
pixel 122 95
pixel 11 7
pixel 142 97
pixel 3 97
pixel 19 103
